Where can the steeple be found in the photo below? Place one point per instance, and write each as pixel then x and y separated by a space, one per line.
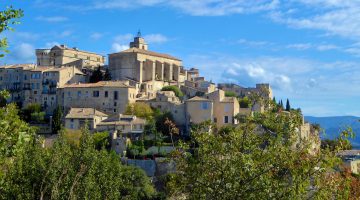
pixel 139 42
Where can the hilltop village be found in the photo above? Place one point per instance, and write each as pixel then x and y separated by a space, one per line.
pixel 62 77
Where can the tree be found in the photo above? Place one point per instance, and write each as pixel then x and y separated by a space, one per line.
pixel 172 129
pixel 245 102
pixel 57 120
pixel 230 94
pixel 65 171
pixel 160 122
pixel 173 88
pixel 101 140
pixel 107 75
pixel 245 163
pixel 8 17
pixel 96 76
pixel 288 108
pixel 139 109
pixel 281 104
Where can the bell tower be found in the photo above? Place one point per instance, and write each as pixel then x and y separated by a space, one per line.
pixel 139 42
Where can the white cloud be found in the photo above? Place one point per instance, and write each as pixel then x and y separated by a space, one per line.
pixel 52 19
pixel 22 53
pixel 119 47
pixel 300 46
pixel 307 83
pixel 96 36
pixel 65 33
pixel 124 38
pixel 155 38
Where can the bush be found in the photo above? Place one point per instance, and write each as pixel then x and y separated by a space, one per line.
pixel 245 102
pixel 173 88
pixel 230 94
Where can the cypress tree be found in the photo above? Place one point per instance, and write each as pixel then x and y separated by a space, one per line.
pixel 96 76
pixel 107 75
pixel 281 104
pixel 288 108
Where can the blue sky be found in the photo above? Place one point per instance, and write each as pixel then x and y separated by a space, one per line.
pixel 308 50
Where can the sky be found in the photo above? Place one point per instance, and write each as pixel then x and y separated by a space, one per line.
pixel 308 50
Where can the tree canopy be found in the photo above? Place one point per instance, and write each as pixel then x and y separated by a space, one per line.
pixel 259 159
pixel 8 17
pixel 173 88
pixel 96 76
pixel 139 109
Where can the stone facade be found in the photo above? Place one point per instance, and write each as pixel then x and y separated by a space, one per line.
pixel 77 118
pixel 110 97
pixel 61 55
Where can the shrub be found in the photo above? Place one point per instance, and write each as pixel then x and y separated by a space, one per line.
pixel 173 88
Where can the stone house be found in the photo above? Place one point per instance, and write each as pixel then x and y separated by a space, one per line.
pixel 77 118
pixel 110 97
pixel 61 55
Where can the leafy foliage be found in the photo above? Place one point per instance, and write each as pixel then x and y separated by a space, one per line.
pixel 57 120
pixel 8 17
pixel 139 109
pixel 96 76
pixel 107 75
pixel 259 159
pixel 173 88
pixel 230 94
pixel 101 140
pixel 33 113
pixel 245 102
pixel 69 172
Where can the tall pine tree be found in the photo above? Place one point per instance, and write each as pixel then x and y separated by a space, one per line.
pixel 96 76
pixel 288 108
pixel 107 75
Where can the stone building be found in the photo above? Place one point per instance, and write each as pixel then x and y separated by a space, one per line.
pixel 126 125
pixel 12 79
pixel 61 55
pixel 150 69
pixel 41 83
pixel 110 97
pixel 77 118
pixel 167 101
pixel 262 89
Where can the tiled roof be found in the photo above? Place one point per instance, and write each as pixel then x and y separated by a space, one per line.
pixel 64 47
pixel 150 53
pixel 123 120
pixel 84 113
pixel 122 84
pixel 25 66
pixel 196 98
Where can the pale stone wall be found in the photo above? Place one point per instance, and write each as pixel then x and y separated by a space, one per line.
pixel 196 113
pixel 82 97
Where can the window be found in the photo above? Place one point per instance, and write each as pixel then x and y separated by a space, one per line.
pixel 215 119
pixel 106 94
pixel 226 119
pixel 37 85
pixel 79 93
pixel 35 92
pixel 115 104
pixel 227 108
pixel 71 126
pixel 69 94
pixel 95 93
pixel 115 95
pixel 204 105
pixel 114 110
pixel 25 77
pixel 72 120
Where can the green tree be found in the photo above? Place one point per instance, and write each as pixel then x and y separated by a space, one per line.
pixel 8 17
pixel 57 120
pixel 107 75
pixel 101 140
pixel 245 163
pixel 173 88
pixel 65 171
pixel 288 108
pixel 245 102
pixel 96 76
pixel 160 120
pixel 230 94
pixel 139 109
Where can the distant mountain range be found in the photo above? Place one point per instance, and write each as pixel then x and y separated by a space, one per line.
pixel 333 125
